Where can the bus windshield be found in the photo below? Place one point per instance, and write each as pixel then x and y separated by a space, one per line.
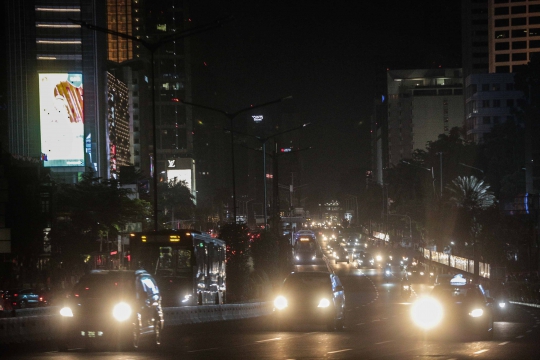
pixel 166 260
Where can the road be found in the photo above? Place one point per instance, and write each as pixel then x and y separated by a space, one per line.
pixel 377 327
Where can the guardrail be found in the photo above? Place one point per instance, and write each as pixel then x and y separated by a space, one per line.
pixel 43 327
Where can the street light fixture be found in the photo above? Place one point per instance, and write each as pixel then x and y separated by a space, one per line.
pixel 231 117
pixel 153 47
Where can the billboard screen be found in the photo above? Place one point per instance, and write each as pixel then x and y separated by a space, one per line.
pixel 180 175
pixel 61 119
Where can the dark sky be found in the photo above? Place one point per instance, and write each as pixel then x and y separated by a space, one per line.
pixel 325 54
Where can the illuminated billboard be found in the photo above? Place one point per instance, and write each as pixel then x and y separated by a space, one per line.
pixel 61 119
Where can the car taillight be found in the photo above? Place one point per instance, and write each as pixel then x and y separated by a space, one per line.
pixel 15 295
pixel 40 298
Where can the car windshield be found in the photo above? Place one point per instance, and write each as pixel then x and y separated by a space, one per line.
pixel 457 293
pixel 307 283
pixel 103 286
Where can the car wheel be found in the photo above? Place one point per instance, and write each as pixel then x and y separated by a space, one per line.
pixel 340 324
pixel 135 337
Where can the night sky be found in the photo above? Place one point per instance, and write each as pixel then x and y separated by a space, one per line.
pixel 325 54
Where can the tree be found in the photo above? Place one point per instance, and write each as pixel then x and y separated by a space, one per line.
pixel 237 240
pixel 472 196
pixel 177 202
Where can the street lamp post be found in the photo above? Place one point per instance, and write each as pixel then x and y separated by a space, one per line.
pixel 153 47
pixel 263 140
pixel 231 117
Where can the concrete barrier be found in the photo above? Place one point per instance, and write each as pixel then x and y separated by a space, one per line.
pixel 43 327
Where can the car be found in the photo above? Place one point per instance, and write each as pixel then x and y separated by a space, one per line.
pixel 115 308
pixel 456 307
pixel 311 297
pixel 22 298
pixel 340 255
pixel 365 260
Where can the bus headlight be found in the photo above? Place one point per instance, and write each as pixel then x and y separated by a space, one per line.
pixel 280 303
pixel 324 303
pixel 477 313
pixel 66 312
pixel 427 313
pixel 121 311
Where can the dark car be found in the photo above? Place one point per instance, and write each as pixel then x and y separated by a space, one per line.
pixel 340 255
pixel 112 307
pixel 365 260
pixel 22 298
pixel 455 308
pixel 311 298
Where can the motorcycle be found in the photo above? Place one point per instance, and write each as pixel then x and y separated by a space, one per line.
pixel 406 289
pixel 387 273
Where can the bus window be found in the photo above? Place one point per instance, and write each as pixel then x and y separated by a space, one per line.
pixel 184 260
pixel 165 266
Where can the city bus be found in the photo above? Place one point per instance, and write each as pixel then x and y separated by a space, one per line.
pixel 189 266
pixel 305 247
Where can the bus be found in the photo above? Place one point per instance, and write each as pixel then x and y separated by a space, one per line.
pixel 305 247
pixel 189 266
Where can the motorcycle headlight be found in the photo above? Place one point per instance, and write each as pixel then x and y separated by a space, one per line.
pixel 280 303
pixel 121 311
pixel 477 313
pixel 427 313
pixel 324 303
pixel 66 312
pixel 502 305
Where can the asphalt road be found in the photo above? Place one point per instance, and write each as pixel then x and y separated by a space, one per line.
pixel 377 327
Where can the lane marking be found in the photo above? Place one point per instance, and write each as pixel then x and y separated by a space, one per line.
pixel 338 351
pixel 504 343
pixel 384 342
pixel 480 351
pixel 519 337
pixel 529 331
pixel 360 324
pixel 201 350
pixel 267 340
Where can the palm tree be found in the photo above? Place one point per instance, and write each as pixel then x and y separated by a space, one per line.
pixel 470 193
pixel 473 196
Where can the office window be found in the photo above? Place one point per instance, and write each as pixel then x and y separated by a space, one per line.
pixel 519 57
pixel 534 32
pixel 496 119
pixel 502 69
pixel 509 102
pixel 534 8
pixel 486 120
pixel 517 45
pixel 534 20
pixel 502 57
pixel 496 87
pixel 502 10
pixel 502 34
pixel 485 103
pixel 519 21
pixel 509 86
pixel 534 44
pixel 501 1
pixel 519 9
pixel 505 45
pixel 501 22
pixel 496 103
pixel 519 33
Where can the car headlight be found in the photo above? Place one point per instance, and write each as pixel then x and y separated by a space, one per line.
pixel 405 287
pixel 430 274
pixel 477 313
pixel 313 257
pixel 379 257
pixel 324 303
pixel 427 313
pixel 66 312
pixel 421 273
pixel 280 303
pixel 297 257
pixel 502 305
pixel 121 311
pixel 409 273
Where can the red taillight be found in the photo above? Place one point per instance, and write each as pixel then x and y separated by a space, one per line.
pixel 15 295
pixel 40 299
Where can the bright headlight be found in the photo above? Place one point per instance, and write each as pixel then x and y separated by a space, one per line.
pixel 426 313
pixel 280 303
pixel 379 257
pixel 121 311
pixel 421 273
pixel 405 287
pixel 502 304
pixel 477 313
pixel 66 312
pixel 409 273
pixel 313 257
pixel 297 257
pixel 324 303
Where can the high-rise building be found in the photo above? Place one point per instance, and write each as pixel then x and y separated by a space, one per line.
pixel 50 60
pixel 422 104
pixel 475 50
pixel 514 33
